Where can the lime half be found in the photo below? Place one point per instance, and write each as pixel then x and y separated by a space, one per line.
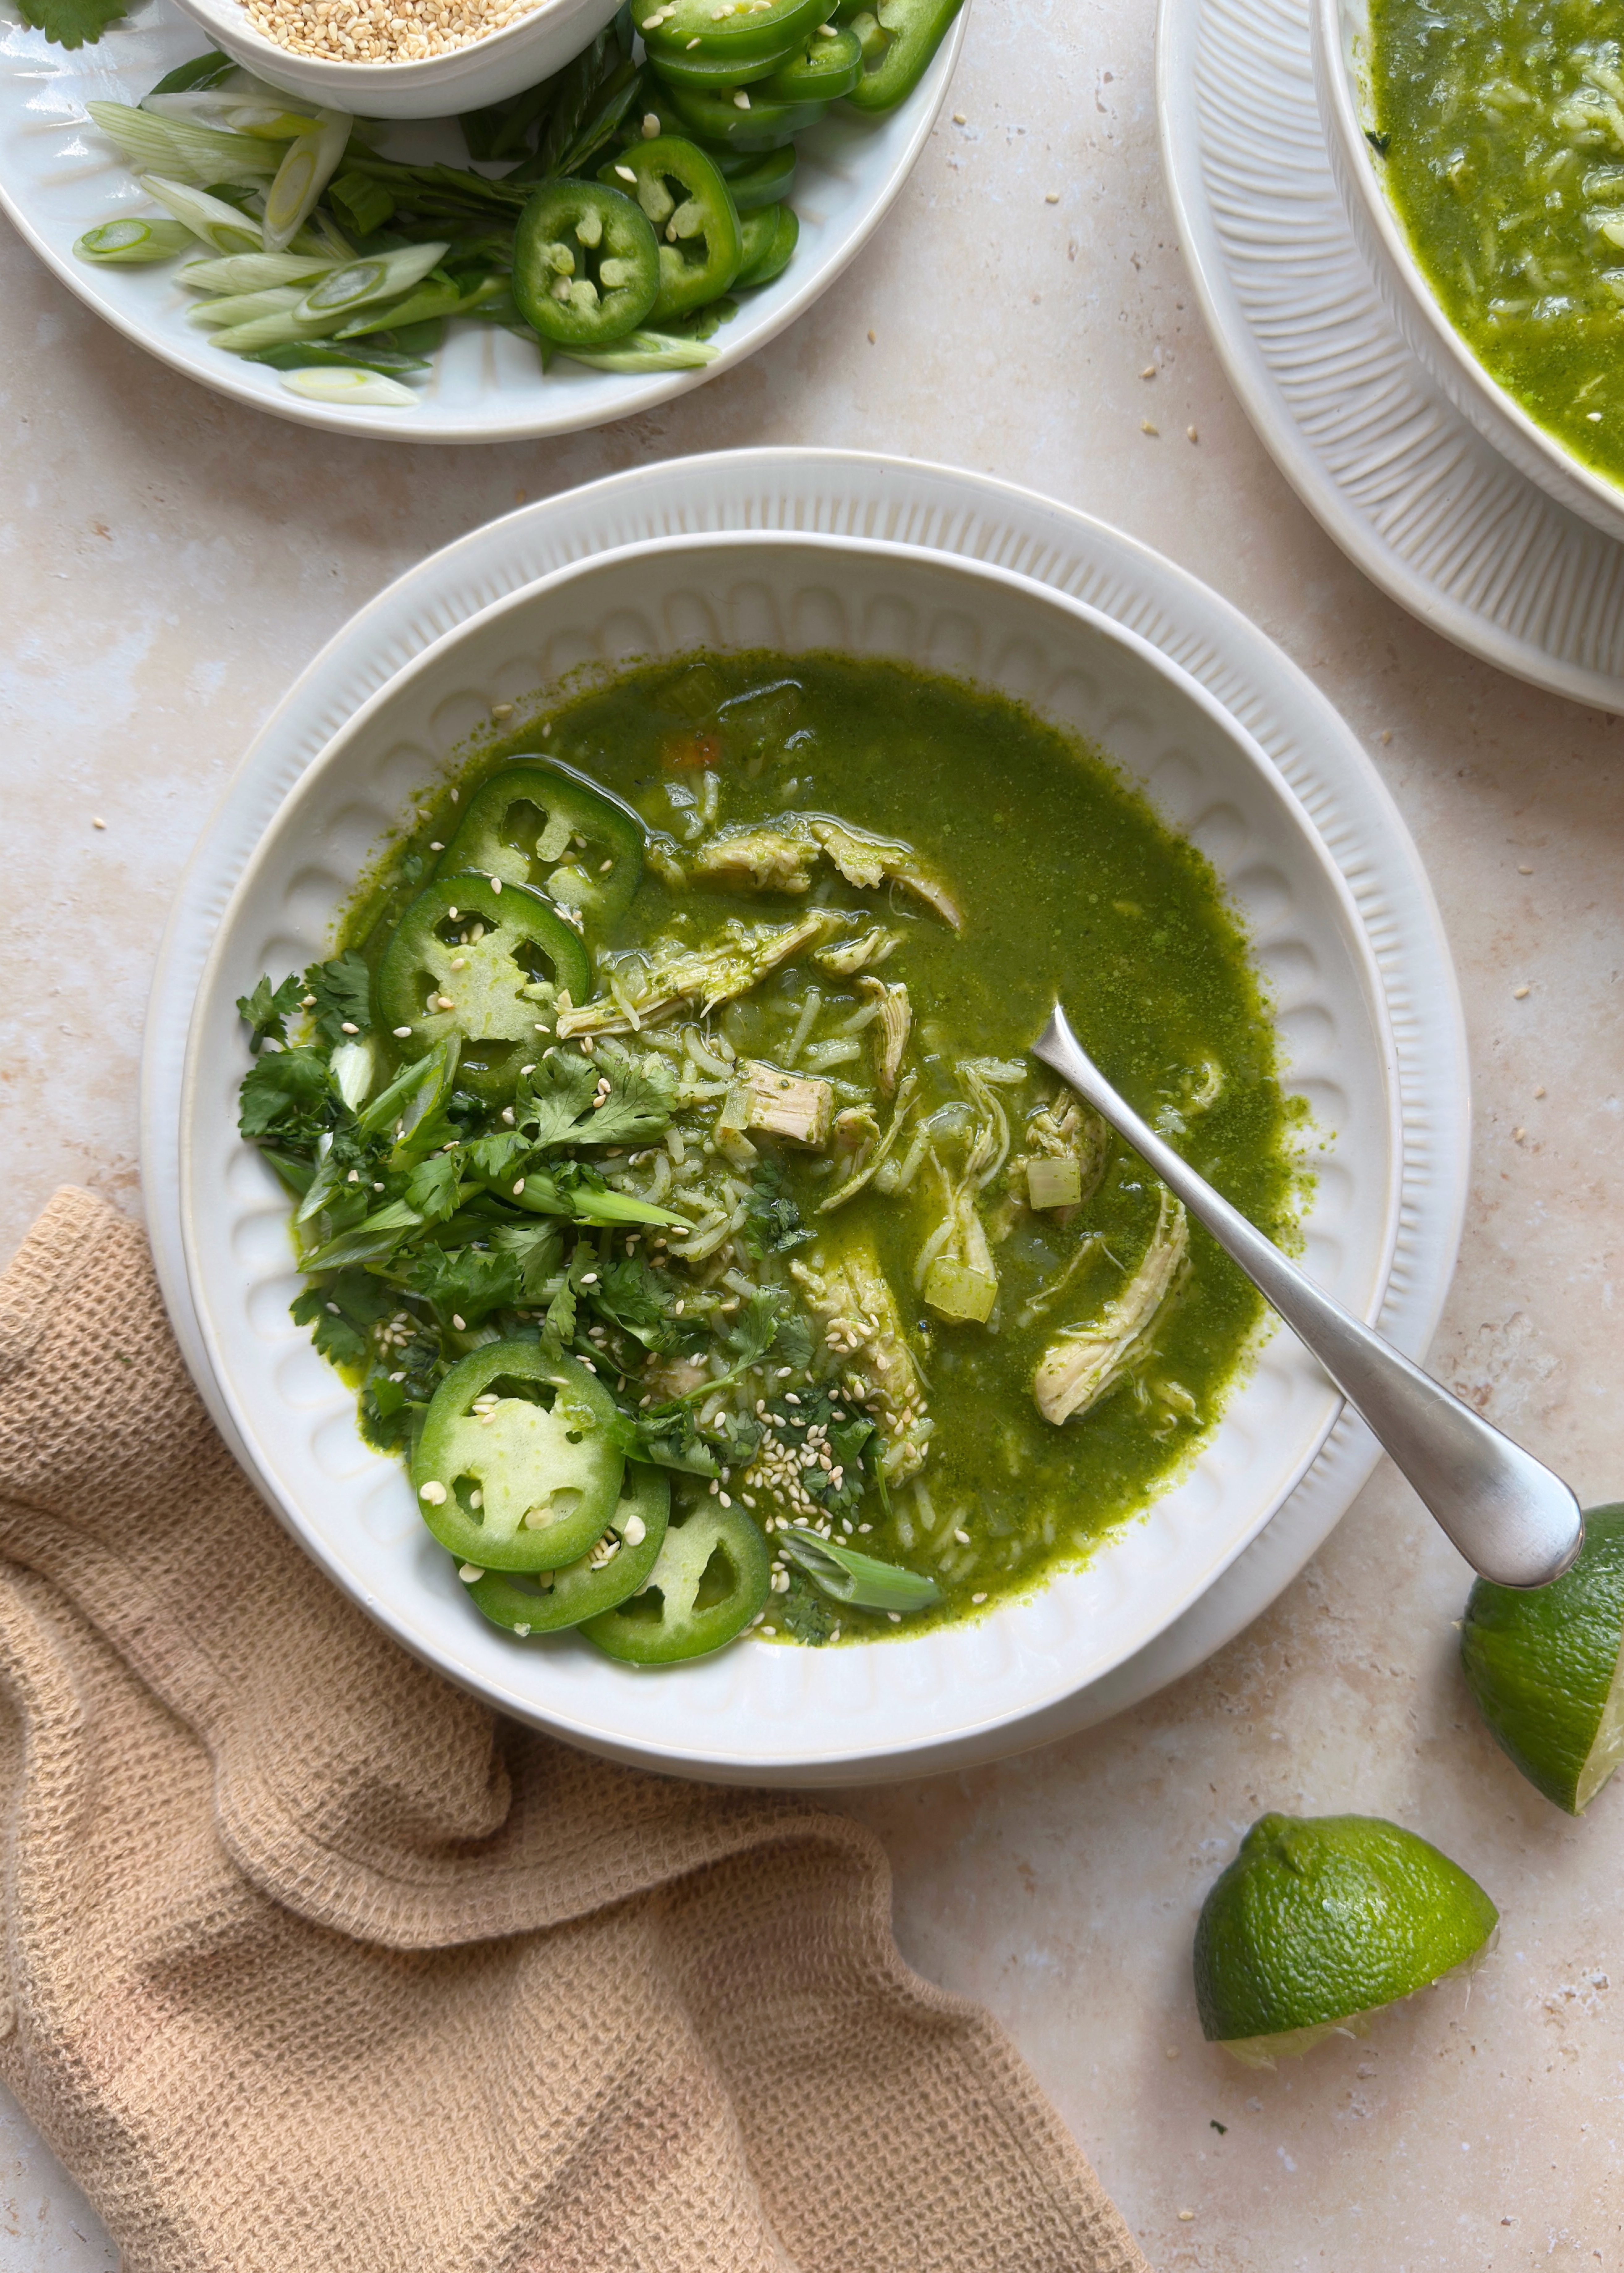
pixel 1321 1920
pixel 1544 1667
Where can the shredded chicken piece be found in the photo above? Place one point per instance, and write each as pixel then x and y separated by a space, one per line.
pixel 644 990
pixel 855 1182
pixel 863 1326
pixel 890 1029
pixel 1084 1361
pixel 855 954
pixel 955 1270
pixel 778 856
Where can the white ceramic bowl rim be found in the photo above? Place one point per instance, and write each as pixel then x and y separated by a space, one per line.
pixel 236 27
pixel 1342 93
pixel 421 1640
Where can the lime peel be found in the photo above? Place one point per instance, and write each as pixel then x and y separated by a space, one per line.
pixel 1319 1922
pixel 1544 1667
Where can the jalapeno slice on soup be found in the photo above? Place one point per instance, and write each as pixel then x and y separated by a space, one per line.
pixel 520 1461
pixel 545 826
pixel 486 962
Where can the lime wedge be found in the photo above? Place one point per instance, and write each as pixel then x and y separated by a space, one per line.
pixel 1320 1920
pixel 1544 1667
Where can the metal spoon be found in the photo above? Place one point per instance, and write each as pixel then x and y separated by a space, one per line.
pixel 1511 1518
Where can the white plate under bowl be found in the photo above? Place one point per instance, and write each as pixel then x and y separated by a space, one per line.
pixel 58 178
pixel 1406 485
pixel 1339 33
pixel 759 1711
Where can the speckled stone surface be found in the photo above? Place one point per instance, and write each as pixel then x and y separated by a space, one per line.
pixel 169 561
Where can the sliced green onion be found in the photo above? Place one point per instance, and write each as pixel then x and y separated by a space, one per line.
pixel 326 383
pixel 245 307
pixel 646 351
pixel 219 226
pixel 308 355
pixel 344 290
pixel 271 125
pixel 184 152
pixel 272 330
pixel 859 1579
pixel 369 1242
pixel 306 171
pixel 132 243
pixel 251 272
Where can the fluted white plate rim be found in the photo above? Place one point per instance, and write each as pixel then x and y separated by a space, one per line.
pixel 863 165
pixel 946 510
pixel 1523 568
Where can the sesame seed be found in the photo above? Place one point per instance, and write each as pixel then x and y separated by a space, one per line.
pixel 501 709
pixel 96 822
pixel 1147 428
pixel 1149 371
pixel 978 1598
pixel 895 1616
pixel 469 1572
pixel 347 1028
pixel 1192 433
pixel 457 1322
pixel 960 119
pixel 1519 994
pixel 963 1537
pixel 401 1033
pixel 1540 1091
pixel 1523 869
pixel 433 847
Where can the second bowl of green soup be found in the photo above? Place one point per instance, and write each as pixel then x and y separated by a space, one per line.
pixel 1479 154
pixel 638 1250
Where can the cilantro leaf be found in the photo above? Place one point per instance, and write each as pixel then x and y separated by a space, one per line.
pixel 72 23
pixel 267 1011
pixel 468 1283
pixel 496 1159
pixel 343 993
pixel 667 1437
pixel 772 1221
pixel 562 1313
pixel 636 1300
pixel 794 1341
pixel 340 1312
pixel 802 1613
pixel 565 1102
pixel 535 1248
pixel 755 1327
pixel 284 1092
pixel 432 1186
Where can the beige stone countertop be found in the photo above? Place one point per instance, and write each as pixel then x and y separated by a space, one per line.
pixel 170 561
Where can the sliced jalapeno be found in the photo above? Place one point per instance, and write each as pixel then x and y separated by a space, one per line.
pixel 692 212
pixel 543 825
pixel 613 1567
pixel 520 1461
pixel 912 30
pixel 757 123
pixel 711 1576
pixel 738 33
pixel 585 264
pixel 828 67
pixel 770 238
pixel 713 77
pixel 757 178
pixel 486 963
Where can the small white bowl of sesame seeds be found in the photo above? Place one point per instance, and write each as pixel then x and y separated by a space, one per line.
pixel 402 58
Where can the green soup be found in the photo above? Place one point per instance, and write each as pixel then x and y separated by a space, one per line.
pixel 1501 128
pixel 991 1229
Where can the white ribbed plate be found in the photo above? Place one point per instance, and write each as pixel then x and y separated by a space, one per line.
pixel 58 178
pixel 1406 485
pixel 939 511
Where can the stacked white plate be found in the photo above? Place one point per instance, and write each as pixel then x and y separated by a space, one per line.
pixel 1405 482
pixel 804 550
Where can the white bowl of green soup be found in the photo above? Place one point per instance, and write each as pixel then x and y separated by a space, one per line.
pixel 1480 157
pixel 652 1275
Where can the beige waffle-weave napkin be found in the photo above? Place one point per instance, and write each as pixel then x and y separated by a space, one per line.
pixel 312 1963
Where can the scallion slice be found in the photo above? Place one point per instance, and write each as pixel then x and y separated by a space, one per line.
pixel 183 152
pixel 132 243
pixel 218 225
pixel 646 351
pixel 862 1580
pixel 328 383
pixel 305 172
pixel 360 283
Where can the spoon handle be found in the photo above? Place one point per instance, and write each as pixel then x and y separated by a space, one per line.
pixel 1510 1516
